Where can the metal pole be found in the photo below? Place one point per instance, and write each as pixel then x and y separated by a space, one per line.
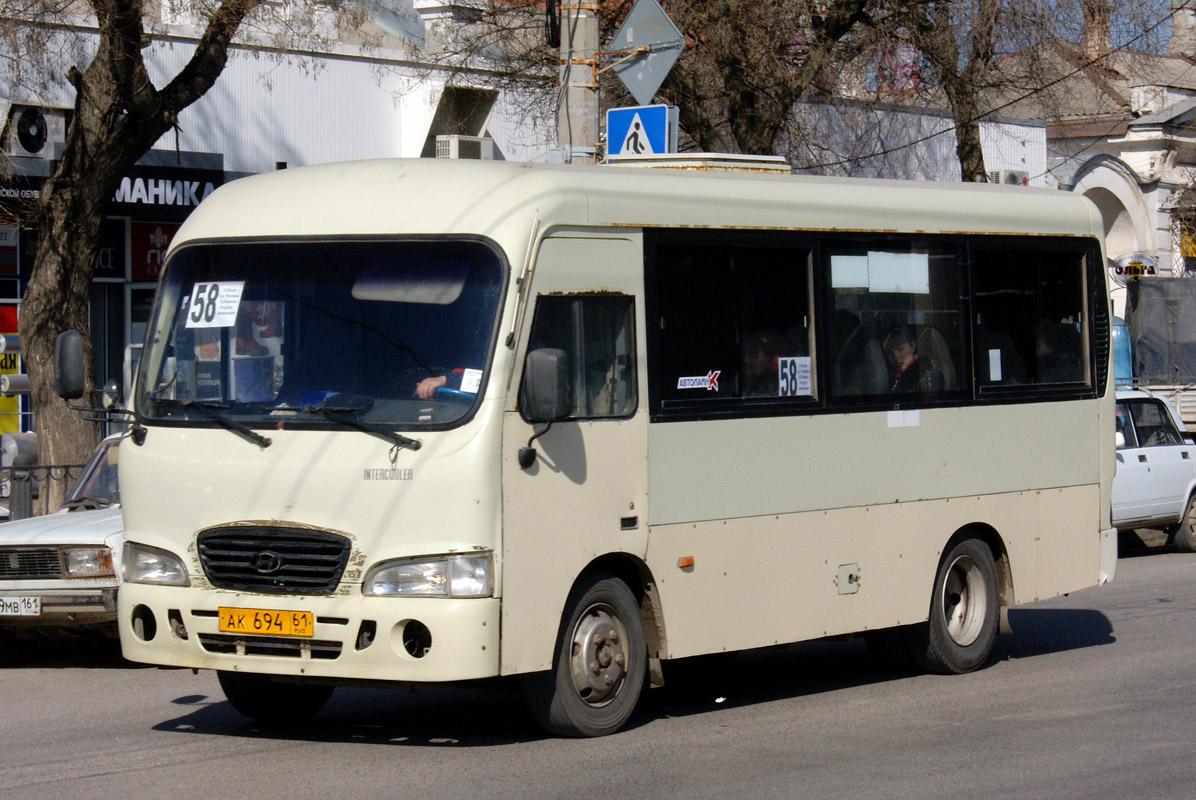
pixel 20 492
pixel 577 118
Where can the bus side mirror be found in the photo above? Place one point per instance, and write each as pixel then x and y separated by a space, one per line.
pixel 547 394
pixel 547 385
pixel 68 365
pixel 1119 440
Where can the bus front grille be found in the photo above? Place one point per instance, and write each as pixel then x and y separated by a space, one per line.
pixel 319 649
pixel 273 560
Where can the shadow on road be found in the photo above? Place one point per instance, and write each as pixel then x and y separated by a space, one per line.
pixel 1039 631
pixel 1142 542
pixel 379 717
pixel 43 652
pixel 436 718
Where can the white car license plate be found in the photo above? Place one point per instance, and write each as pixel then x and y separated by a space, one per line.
pixel 20 606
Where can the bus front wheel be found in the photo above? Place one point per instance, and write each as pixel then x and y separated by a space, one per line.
pixel 259 698
pixel 959 635
pixel 601 659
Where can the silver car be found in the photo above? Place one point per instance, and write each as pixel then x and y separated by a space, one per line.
pixel 59 572
pixel 1155 482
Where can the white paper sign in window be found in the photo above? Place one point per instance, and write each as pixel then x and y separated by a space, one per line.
pixel 471 381
pixel 904 273
pixel 793 374
pixel 215 304
pixel 849 272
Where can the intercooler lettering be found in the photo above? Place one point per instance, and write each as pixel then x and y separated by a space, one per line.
pixel 389 474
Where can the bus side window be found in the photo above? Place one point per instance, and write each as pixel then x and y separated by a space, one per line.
pixel 598 334
pixel 1029 304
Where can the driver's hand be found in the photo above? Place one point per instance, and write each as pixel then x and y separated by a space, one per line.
pixel 425 388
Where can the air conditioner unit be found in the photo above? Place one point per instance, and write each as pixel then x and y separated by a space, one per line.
pixel 454 145
pixel 34 131
pixel 1010 177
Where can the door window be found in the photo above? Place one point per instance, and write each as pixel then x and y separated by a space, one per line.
pixel 1153 425
pixel 597 332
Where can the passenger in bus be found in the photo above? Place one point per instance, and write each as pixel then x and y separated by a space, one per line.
pixel 758 363
pixel 907 372
pixel 1057 346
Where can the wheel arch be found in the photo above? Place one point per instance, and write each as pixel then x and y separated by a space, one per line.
pixel 638 577
pixel 996 544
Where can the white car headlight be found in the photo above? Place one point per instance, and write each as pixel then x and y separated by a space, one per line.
pixel 87 562
pixel 439 576
pixel 145 564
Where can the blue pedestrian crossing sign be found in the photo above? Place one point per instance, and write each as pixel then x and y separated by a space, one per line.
pixel 641 131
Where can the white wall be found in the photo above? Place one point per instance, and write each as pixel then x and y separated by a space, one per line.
pixel 262 111
pixel 893 142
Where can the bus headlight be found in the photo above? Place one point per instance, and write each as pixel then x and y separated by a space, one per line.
pixel 145 564
pixel 438 576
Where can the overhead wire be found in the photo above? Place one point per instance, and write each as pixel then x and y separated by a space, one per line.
pixel 1038 90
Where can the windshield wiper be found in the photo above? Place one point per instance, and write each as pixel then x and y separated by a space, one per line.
pixel 212 412
pixel 338 414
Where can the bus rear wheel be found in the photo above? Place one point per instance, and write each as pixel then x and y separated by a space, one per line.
pixel 962 627
pixel 601 659
pixel 259 698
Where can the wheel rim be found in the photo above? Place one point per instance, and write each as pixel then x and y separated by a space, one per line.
pixel 599 655
pixel 965 601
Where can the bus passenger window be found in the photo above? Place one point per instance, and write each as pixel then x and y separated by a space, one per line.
pixel 598 334
pixel 897 324
pixel 734 322
pixel 1029 305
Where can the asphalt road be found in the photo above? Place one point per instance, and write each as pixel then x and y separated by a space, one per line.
pixel 1093 696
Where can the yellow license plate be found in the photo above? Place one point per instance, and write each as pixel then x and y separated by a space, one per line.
pixel 265 621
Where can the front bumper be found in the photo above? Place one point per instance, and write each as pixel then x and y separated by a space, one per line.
pixel 59 608
pixel 353 637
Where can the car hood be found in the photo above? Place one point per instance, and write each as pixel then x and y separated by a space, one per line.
pixel 89 526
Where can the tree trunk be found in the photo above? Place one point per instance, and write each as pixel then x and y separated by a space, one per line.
pixel 56 300
pixel 966 116
pixel 118 116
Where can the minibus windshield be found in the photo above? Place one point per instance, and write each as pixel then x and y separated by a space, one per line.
pixel 362 334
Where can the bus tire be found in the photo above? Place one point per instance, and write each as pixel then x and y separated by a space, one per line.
pixel 1183 535
pixel 600 663
pixel 259 698
pixel 964 609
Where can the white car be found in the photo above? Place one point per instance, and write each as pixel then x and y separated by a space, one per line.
pixel 60 571
pixel 1155 481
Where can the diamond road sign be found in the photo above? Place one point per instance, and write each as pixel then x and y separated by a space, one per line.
pixel 647 26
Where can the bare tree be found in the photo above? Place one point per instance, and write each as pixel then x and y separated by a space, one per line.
pixel 744 66
pixel 118 114
pixel 959 42
pixel 747 64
